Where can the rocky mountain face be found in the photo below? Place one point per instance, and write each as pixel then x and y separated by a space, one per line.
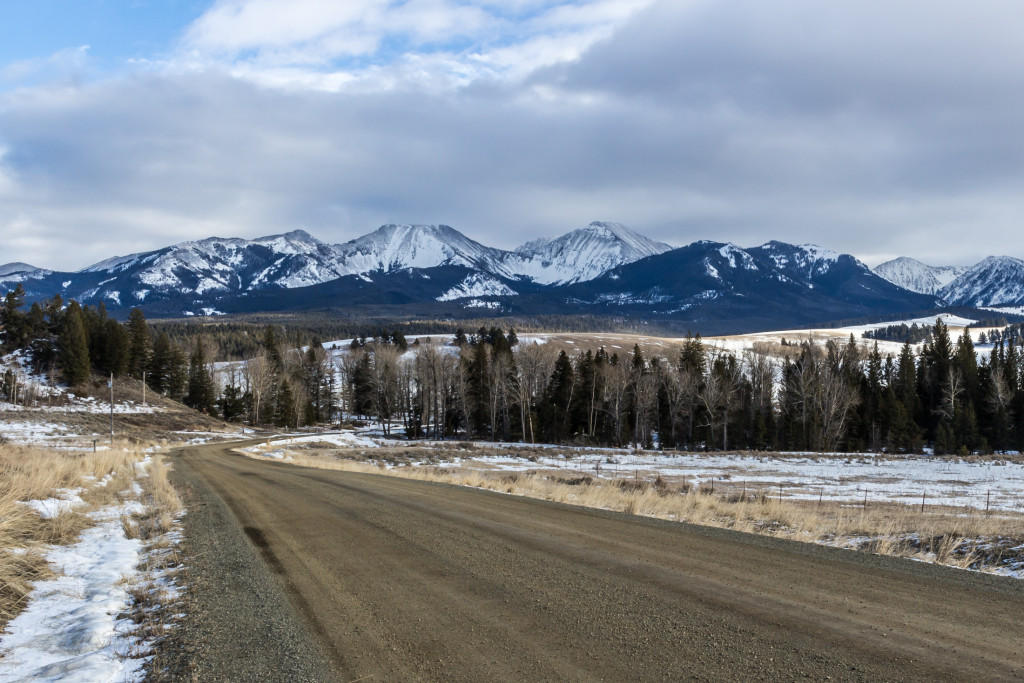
pixel 604 268
pixel 918 277
pixel 995 281
pixel 201 271
pixel 764 286
pixel 581 255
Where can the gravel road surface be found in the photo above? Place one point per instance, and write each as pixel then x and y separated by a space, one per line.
pixel 302 574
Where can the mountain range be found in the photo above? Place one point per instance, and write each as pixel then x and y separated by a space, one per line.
pixel 601 269
pixel 994 281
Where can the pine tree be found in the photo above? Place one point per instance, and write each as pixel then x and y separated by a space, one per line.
pixel 160 363
pixel 73 347
pixel 13 334
pixel 362 386
pixel 200 394
pixel 177 375
pixel 232 403
pixel 398 339
pixel 273 348
pixel 140 342
pixel 285 406
pixel 557 401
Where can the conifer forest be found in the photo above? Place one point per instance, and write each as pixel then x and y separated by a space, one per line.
pixel 488 385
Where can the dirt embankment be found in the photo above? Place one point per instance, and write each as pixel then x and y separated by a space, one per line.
pixel 310 575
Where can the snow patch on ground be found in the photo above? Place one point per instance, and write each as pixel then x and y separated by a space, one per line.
pixel 848 477
pixel 70 630
pixel 346 439
pixel 67 500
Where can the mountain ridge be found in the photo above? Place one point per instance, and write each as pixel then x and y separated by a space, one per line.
pixel 604 268
pixel 993 281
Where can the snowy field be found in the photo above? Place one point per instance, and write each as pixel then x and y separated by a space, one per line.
pixel 745 342
pixel 842 478
pixel 972 483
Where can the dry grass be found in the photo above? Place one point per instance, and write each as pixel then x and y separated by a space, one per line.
pixel 950 536
pixel 28 473
pixel 163 505
pixel 155 604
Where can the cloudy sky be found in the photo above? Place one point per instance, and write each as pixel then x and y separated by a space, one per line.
pixel 875 128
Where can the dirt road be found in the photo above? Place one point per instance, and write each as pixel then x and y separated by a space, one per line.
pixel 393 580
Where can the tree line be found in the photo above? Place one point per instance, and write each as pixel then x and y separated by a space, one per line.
pixel 915 334
pixel 489 385
pixel 831 397
pixel 76 341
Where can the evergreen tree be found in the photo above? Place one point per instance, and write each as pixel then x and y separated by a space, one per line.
pixel 285 406
pixel 557 401
pixel 479 390
pixel 177 375
pixel 116 351
pixel 398 339
pixel 201 395
pixel 232 403
pixel 160 363
pixel 273 348
pixel 13 334
pixel 362 386
pixel 140 343
pixel 73 347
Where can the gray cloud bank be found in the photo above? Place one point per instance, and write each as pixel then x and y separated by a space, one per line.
pixel 874 128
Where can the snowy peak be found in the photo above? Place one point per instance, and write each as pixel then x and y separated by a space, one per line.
pixel 17 268
pixel 803 261
pixel 918 277
pixel 995 281
pixel 395 247
pixel 582 254
pixel 477 285
pixel 774 282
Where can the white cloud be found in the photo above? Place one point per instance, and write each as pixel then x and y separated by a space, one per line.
pixel 330 45
pixel 867 127
pixel 67 65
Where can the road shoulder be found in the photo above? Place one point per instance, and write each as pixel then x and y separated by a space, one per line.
pixel 239 625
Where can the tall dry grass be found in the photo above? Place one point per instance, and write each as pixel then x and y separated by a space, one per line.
pixel 32 473
pixel 951 536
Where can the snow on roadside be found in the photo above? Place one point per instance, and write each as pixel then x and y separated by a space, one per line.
pixel 346 439
pixel 53 506
pixel 73 627
pixel 70 628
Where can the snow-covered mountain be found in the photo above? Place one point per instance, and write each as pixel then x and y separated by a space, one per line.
pixel 918 277
pixel 717 284
pixel 800 262
pixel 214 265
pixel 601 268
pixel 995 281
pixel 17 268
pixel 581 254
pixel 195 272
pixel 394 247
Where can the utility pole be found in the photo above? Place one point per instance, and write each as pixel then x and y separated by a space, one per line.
pixel 111 385
pixel 143 388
